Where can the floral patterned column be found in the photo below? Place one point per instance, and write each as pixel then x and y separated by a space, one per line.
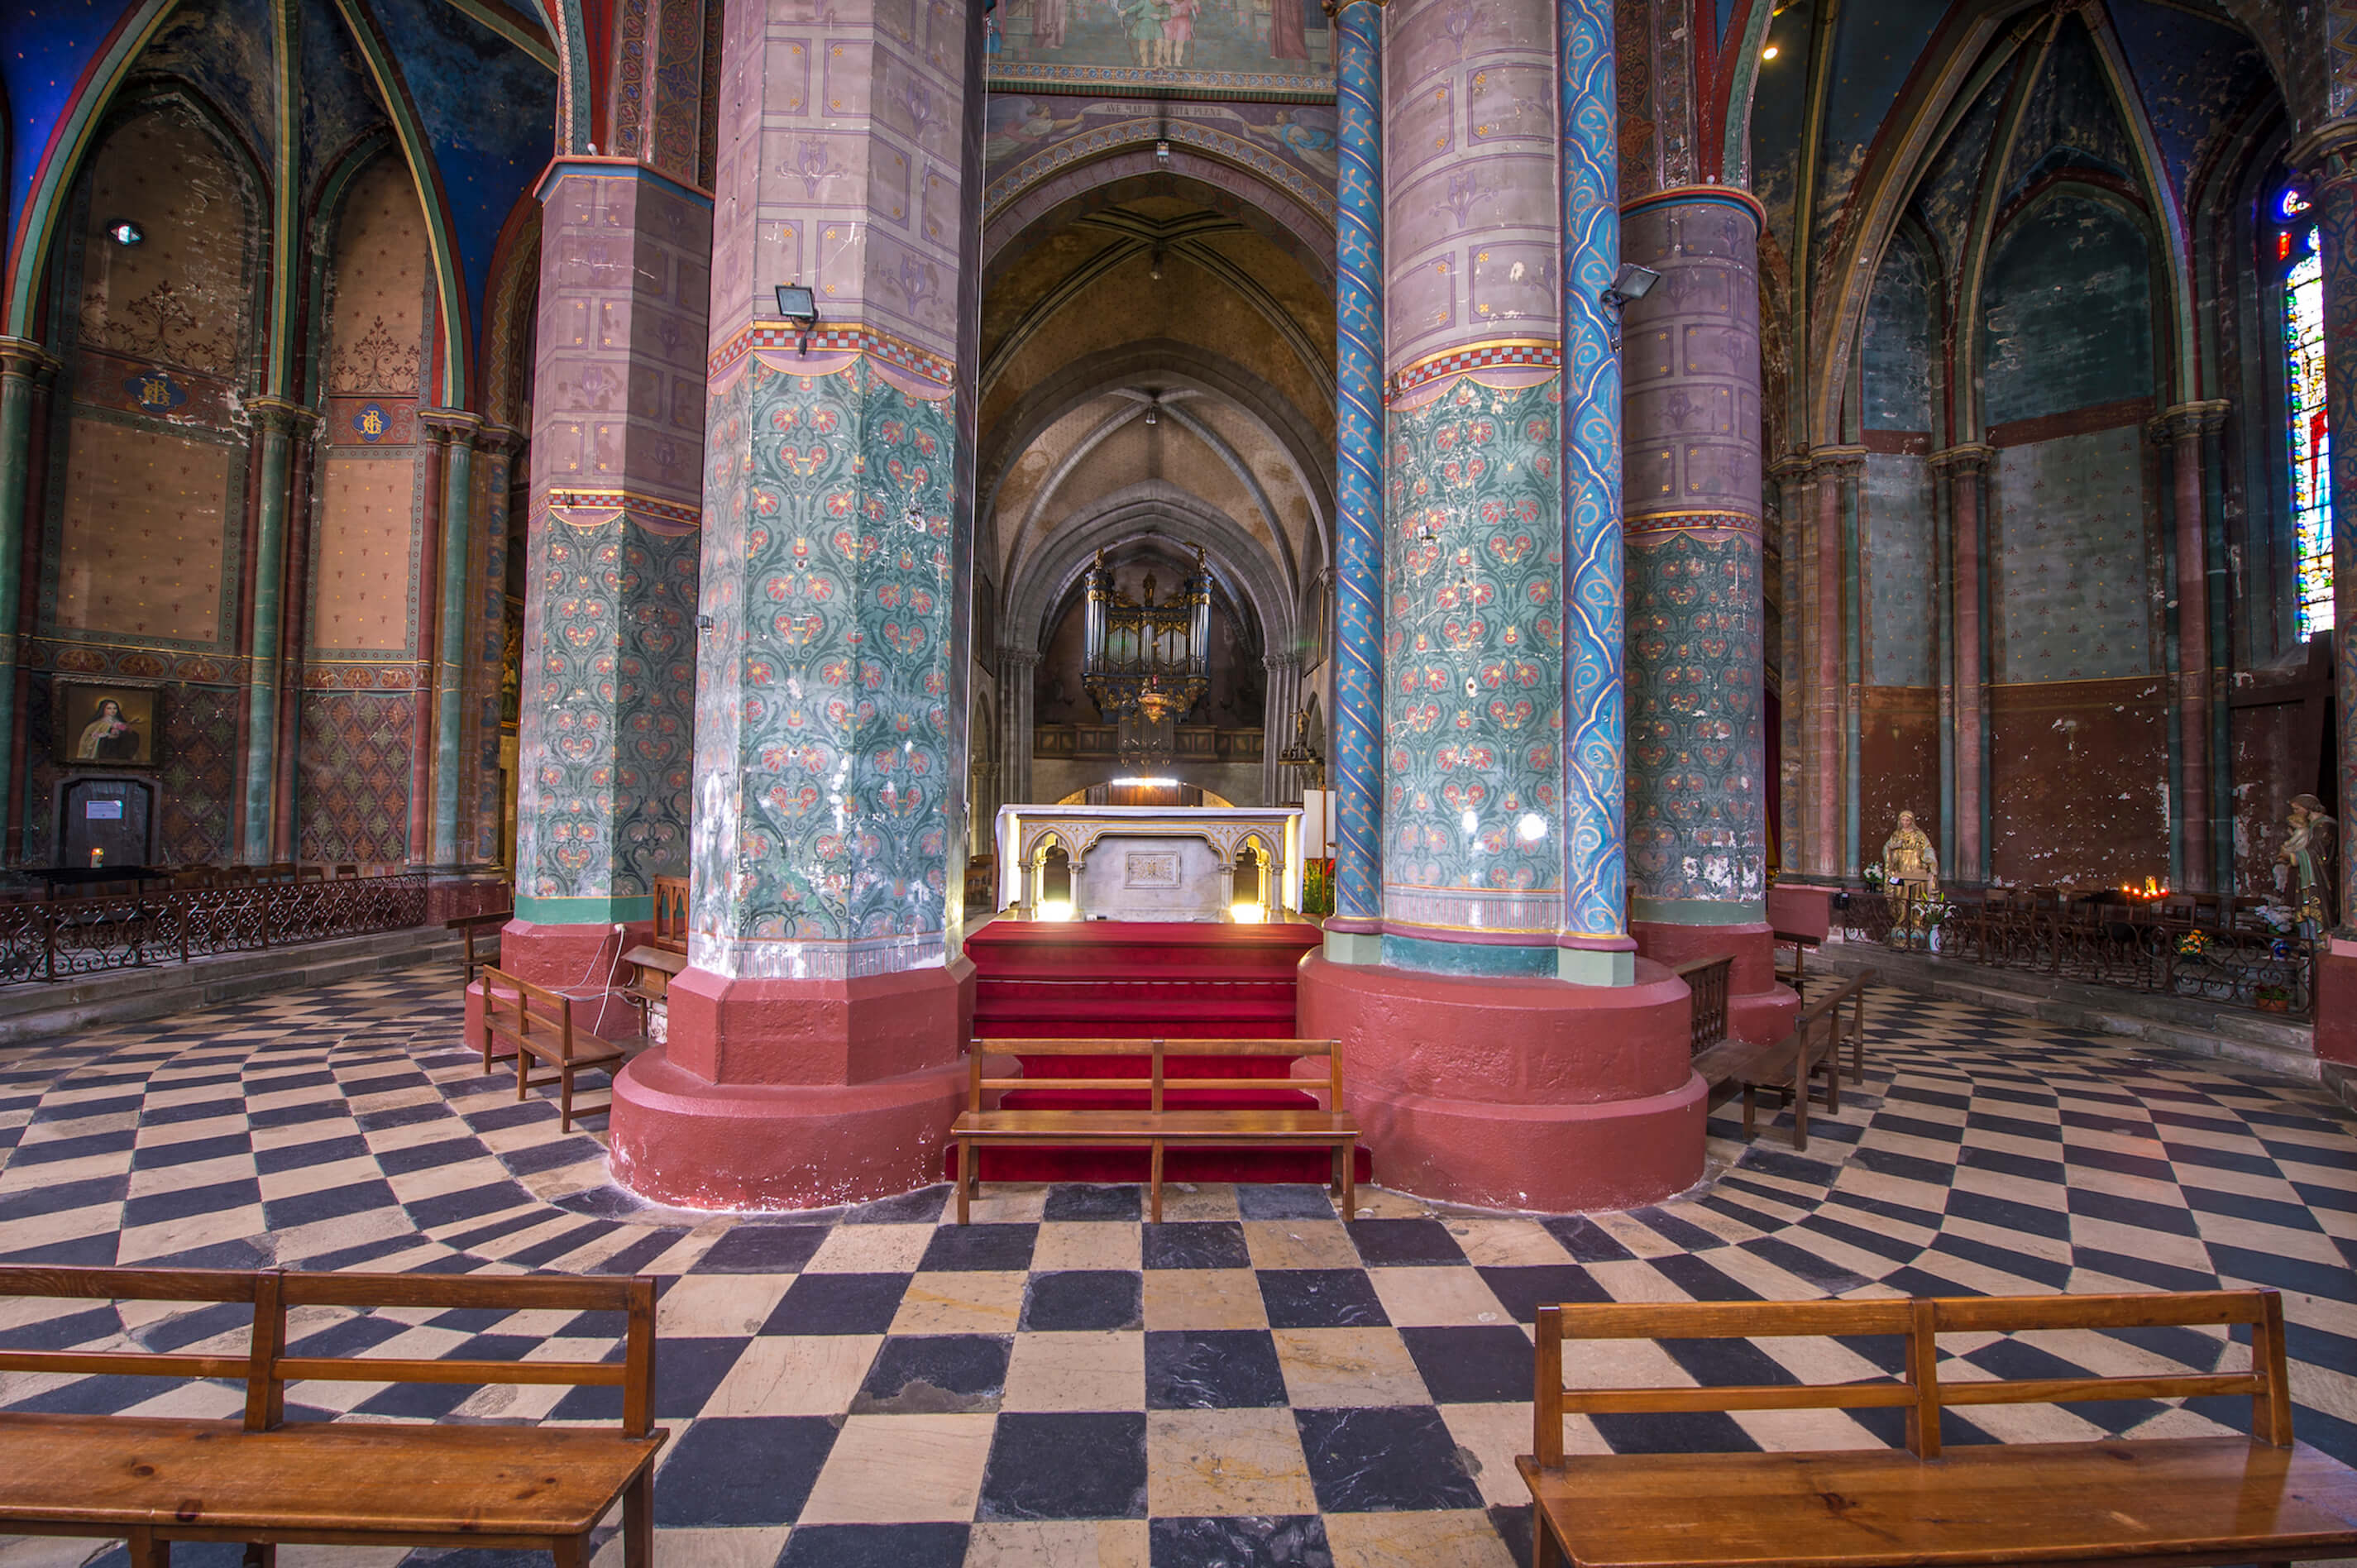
pixel 1692 470
pixel 1357 764
pixel 813 1051
pixel 1508 1047
pixel 605 734
pixel 2329 155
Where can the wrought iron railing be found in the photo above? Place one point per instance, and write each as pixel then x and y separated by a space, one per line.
pixel 2236 959
pixel 61 939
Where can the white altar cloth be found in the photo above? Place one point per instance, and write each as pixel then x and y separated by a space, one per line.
pixel 1156 838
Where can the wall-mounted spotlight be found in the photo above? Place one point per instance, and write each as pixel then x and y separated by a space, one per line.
pixel 1770 53
pixel 125 232
pixel 1629 284
pixel 799 306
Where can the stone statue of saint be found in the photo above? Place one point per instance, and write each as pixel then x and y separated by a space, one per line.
pixel 2312 850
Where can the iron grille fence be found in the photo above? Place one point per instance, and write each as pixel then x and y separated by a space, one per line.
pixel 2233 958
pixel 66 938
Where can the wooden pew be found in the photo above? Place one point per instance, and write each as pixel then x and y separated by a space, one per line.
pixel 535 1025
pixel 1788 1066
pixel 1157 1124
pixel 1708 979
pixel 671 914
pixel 264 1480
pixel 2264 1499
pixel 472 925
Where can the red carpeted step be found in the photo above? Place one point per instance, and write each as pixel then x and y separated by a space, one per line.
pixel 1141 981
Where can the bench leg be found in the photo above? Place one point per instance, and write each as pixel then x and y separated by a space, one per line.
pixel 570 1551
pixel 147 1551
pixel 261 1554
pixel 1350 1180
pixel 565 1098
pixel 1546 1552
pixel 1154 1180
pixel 1801 1112
pixel 964 1176
pixel 639 1521
pixel 1748 1104
pixel 524 1068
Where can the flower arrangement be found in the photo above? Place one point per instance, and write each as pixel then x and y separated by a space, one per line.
pixel 1873 876
pixel 2192 944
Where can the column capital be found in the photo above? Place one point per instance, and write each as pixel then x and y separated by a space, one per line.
pixel 1839 462
pixel 1967 458
pixel 498 440
pixel 1276 663
pixel 1012 653
pixel 2328 154
pixel 2186 421
pixel 280 413
pixel 1790 466
pixel 450 423
pixel 23 357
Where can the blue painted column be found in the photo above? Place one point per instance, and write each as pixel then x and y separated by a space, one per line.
pixel 1595 947
pixel 1352 934
pixel 450 632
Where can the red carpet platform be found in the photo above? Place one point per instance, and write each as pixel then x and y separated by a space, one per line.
pixel 1070 980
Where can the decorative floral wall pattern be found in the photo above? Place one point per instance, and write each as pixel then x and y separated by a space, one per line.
pixel 355 778
pixel 827 755
pixel 1473 661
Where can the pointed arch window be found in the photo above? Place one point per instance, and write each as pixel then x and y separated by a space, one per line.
pixel 2309 429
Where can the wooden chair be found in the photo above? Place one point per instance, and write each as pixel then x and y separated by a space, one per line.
pixel 475 926
pixel 1788 1067
pixel 537 1025
pixel 1157 1124
pixel 671 913
pixel 2144 1500
pixel 151 1480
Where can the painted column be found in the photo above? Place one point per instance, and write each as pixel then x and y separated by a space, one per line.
pixel 1965 470
pixel 1019 671
pixel 2181 432
pixel 1352 932
pixel 20 362
pixel 1838 470
pixel 495 449
pixel 815 1038
pixel 606 732
pixel 2329 155
pixel 1508 1048
pixel 455 429
pixel 293 636
pixel 1794 493
pixel 1693 472
pixel 1280 786
pixel 277 420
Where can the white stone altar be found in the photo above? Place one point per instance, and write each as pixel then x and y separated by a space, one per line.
pixel 1147 862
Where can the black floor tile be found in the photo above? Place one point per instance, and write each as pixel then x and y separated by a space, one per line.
pixel 930 1374
pixel 742 1471
pixel 838 1303
pixel 1393 1243
pixel 1221 1369
pixel 1208 1245
pixel 1472 1363
pixel 1080 1299
pixel 876 1546
pixel 1256 1201
pixel 1285 1541
pixel 1321 1298
pixel 1383 1458
pixel 1000 1248
pixel 1088 1466
pixel 762 1250
pixel 1075 1200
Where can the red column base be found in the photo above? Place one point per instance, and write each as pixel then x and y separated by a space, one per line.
pixel 2336 1001
pixel 1757 1009
pixel 582 960
pixel 1529 1095
pixel 783 1094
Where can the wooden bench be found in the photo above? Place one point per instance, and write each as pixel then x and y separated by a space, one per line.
pixel 1708 979
pixel 652 972
pixel 1789 1066
pixel 1156 1123
pixel 268 1481
pixel 535 1025
pixel 2263 1498
pixel 671 914
pixel 472 925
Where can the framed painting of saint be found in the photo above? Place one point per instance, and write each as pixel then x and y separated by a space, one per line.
pixel 107 723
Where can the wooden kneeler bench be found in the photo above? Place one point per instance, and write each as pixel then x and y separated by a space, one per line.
pixel 267 1481
pixel 1157 1124
pixel 2146 1501
pixel 533 1024
pixel 1788 1067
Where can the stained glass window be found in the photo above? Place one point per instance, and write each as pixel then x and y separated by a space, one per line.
pixel 2309 431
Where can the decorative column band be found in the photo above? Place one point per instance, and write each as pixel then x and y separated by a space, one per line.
pixel 1502 353
pixel 847 338
pixel 1698 195
pixel 1359 456
pixel 2186 420
pixel 616 169
pixel 1693 523
pixel 595 509
pixel 1967 458
pixel 1595 853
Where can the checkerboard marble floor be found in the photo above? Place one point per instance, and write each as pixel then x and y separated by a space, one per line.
pixel 1257 1381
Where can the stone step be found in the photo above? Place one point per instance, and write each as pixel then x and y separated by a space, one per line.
pixel 37 1010
pixel 2253 1039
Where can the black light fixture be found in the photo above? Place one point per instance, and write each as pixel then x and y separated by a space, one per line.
pixel 125 232
pixel 799 306
pixel 1629 284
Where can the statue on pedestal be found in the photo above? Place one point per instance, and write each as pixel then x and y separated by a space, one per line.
pixel 1910 869
pixel 2312 852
